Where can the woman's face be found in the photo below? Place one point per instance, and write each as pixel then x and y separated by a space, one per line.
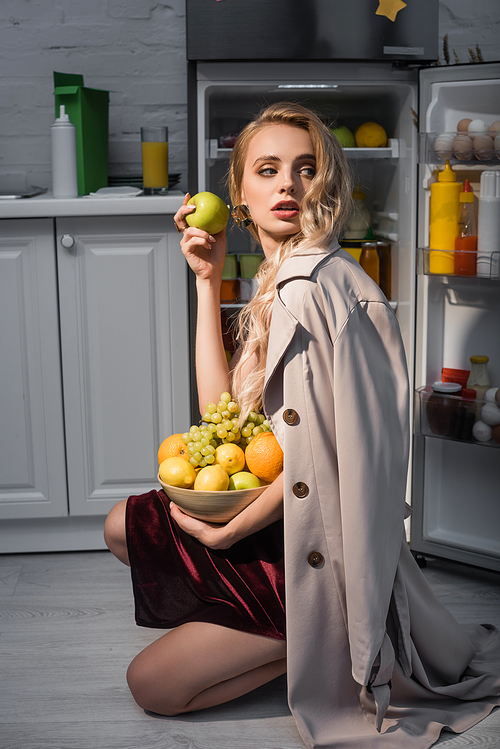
pixel 279 167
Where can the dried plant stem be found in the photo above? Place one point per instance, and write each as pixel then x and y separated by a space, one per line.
pixel 473 56
pixel 457 59
pixel 415 117
pixel 446 51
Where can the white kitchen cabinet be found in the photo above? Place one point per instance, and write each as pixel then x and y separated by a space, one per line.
pixel 95 370
pixel 32 451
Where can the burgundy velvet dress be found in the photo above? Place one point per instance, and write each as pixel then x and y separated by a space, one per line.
pixel 176 579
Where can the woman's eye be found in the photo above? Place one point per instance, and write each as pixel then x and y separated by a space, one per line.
pixel 267 171
pixel 308 171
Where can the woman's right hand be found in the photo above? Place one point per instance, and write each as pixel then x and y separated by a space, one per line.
pixel 204 253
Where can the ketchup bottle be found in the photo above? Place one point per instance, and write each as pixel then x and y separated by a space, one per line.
pixel 466 241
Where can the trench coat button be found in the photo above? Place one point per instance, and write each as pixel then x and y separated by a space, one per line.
pixel 315 559
pixel 290 416
pixel 300 489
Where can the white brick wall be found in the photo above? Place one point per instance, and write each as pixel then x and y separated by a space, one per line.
pixel 134 49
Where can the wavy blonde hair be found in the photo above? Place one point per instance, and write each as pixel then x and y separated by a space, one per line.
pixel 324 209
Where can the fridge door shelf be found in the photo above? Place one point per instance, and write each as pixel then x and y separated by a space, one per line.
pixel 449 417
pixel 437 148
pixel 487 265
pixel 214 153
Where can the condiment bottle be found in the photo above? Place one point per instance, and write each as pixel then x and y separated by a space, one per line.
pixel 466 241
pixel 444 211
pixel 64 171
pixel 369 260
pixel 479 379
pixel 359 220
pixel 488 241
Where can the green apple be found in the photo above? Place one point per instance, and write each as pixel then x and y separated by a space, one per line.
pixel 211 214
pixel 344 137
pixel 244 480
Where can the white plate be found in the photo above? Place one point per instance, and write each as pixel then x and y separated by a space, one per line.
pixel 123 191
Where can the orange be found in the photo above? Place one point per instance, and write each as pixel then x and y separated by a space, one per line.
pixel 264 456
pixel 173 447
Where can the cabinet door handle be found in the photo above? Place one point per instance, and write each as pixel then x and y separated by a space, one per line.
pixel 67 241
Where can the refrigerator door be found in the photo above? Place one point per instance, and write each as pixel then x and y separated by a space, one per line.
pixel 456 477
pixel 311 30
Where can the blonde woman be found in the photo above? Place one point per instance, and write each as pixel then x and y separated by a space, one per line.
pixel 373 659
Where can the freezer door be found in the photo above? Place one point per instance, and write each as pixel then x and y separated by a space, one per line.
pixel 311 30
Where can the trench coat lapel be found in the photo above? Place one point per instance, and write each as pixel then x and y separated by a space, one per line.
pixel 284 323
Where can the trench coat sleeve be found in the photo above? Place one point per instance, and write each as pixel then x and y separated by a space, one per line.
pixel 371 408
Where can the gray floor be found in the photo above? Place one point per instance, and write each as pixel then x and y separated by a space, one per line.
pixel 67 634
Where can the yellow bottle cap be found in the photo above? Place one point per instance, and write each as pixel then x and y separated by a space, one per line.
pixel 479 359
pixel 447 175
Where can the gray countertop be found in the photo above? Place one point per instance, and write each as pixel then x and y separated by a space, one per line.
pixel 46 206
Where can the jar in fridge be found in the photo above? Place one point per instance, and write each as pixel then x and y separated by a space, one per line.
pixel 479 379
pixel 441 408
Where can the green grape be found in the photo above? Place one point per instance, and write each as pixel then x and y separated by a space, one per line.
pixel 207 416
pixel 197 456
pixel 226 414
pixel 205 451
pixel 260 418
pixel 226 397
pixel 194 428
pixel 237 435
pixel 202 463
pixel 204 441
pixel 193 462
pixel 221 433
pixel 210 459
pixel 191 448
pixel 252 416
pixel 214 444
pixel 216 418
pixel 230 437
pixel 186 437
pixel 227 424
pixel 211 408
pixel 246 431
pixel 233 407
pixel 256 431
pixel 249 439
pixel 221 406
pixel 212 428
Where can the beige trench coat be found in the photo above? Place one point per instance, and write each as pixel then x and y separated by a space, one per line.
pixel 374 660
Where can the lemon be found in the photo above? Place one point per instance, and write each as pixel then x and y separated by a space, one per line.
pixel 231 457
pixel 177 472
pixel 212 479
pixel 371 135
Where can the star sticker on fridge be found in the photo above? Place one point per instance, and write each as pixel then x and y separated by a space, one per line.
pixel 390 8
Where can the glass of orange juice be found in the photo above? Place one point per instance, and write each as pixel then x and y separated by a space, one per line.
pixel 154 144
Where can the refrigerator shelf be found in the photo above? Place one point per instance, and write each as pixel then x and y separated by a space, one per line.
pixel 487 266
pixel 448 417
pixel 215 153
pixel 437 148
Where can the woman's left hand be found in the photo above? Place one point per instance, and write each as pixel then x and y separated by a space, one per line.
pixel 209 534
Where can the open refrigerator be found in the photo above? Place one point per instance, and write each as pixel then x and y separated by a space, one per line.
pixel 454 485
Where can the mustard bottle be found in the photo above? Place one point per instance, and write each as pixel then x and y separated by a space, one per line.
pixel 444 212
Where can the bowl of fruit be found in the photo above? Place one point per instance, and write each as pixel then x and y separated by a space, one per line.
pixel 217 468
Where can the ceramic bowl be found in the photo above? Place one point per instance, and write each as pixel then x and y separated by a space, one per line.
pixel 213 507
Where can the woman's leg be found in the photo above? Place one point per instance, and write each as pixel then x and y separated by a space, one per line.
pixel 198 665
pixel 115 535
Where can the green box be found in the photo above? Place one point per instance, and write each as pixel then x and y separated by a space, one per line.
pixel 88 110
